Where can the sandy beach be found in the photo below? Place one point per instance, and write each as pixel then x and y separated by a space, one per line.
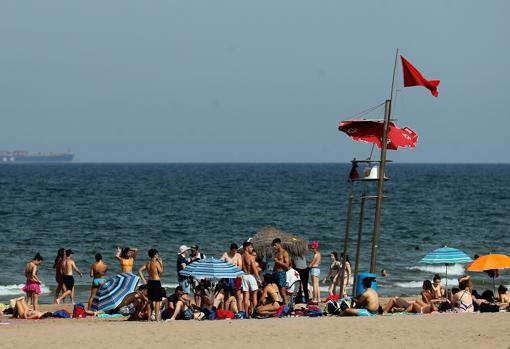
pixel 404 331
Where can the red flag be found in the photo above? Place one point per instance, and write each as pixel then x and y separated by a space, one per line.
pixel 412 77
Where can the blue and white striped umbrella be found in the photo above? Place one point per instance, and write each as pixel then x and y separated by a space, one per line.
pixel 112 292
pixel 211 268
pixel 446 255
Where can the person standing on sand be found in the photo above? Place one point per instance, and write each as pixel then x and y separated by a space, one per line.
pixel 315 272
pixel 67 270
pixel 126 257
pixel 33 284
pixel 300 265
pixel 281 265
pixel 250 279
pixel 97 272
pixel 154 290
pixel 58 266
pixel 236 259
pixel 182 262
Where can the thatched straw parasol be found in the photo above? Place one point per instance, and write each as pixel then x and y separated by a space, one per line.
pixel 262 242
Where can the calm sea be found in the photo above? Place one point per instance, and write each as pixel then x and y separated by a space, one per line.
pixel 96 207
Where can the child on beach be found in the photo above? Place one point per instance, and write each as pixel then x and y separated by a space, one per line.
pixel 33 285
pixel 315 272
pixel 67 270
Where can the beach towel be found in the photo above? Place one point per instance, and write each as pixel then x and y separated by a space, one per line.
pixel 313 311
pixel 63 314
pixel 282 311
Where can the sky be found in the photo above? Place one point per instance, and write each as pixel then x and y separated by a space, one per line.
pixel 250 81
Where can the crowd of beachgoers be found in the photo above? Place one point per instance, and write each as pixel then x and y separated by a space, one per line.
pixel 257 293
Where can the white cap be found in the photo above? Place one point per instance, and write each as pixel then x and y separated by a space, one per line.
pixel 183 248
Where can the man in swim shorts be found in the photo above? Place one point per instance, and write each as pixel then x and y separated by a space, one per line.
pixel 250 279
pixel 67 276
pixel 236 259
pixel 154 291
pixel 97 272
pixel 368 302
pixel 281 265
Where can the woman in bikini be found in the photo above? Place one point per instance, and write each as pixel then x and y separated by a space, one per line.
pixel 57 265
pixel 126 258
pixel 315 272
pixel 427 304
pixel 224 300
pixel 463 300
pixel 439 291
pixel 272 300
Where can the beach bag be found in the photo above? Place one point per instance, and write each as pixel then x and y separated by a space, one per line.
pixel 188 314
pixel 79 311
pixel 333 308
pixel 282 311
pixel 345 303
pixel 63 314
pixel 488 308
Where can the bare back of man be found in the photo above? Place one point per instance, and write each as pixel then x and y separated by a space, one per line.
pixel 236 259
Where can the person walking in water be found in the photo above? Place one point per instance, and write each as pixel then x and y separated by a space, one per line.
pixel 58 266
pixel 67 270
pixel 250 279
pixel 281 265
pixel 126 257
pixel 97 272
pixel 33 285
pixel 315 272
pixel 154 268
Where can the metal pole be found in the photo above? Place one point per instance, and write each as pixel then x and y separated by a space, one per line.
pixel 380 187
pixel 358 243
pixel 346 240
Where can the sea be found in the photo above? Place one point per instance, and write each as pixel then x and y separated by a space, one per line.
pixel 93 208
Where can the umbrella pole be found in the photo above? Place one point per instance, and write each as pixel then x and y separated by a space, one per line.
pixel 446 265
pixel 346 241
pixel 358 243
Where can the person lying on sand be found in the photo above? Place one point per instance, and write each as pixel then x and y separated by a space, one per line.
pixel 427 304
pixel 368 302
pixel 271 298
pixel 22 311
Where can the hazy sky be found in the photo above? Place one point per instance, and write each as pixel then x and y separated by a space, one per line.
pixel 250 81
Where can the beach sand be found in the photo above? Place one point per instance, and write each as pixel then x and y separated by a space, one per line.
pixel 396 331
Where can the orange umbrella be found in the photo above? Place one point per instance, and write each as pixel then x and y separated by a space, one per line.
pixel 490 261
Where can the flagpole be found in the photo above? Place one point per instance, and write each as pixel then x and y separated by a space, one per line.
pixel 380 180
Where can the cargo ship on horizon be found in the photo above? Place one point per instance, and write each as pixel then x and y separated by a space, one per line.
pixel 23 156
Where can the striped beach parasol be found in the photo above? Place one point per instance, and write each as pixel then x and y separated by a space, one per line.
pixel 446 255
pixel 113 291
pixel 211 268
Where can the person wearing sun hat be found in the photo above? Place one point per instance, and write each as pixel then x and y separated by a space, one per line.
pixel 315 272
pixel 182 262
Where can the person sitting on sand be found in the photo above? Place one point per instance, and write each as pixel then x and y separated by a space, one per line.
pixel 180 306
pixel 154 293
pixel 33 285
pixel 126 257
pixel 97 271
pixel 439 291
pixel 281 266
pixel 223 299
pixel 137 301
pixel 462 301
pixel 315 272
pixel 67 271
pixel 58 266
pixel 271 297
pixel 503 297
pixel 367 304
pixel 201 293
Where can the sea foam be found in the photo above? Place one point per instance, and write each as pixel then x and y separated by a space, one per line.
pixel 14 290
pixel 454 269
